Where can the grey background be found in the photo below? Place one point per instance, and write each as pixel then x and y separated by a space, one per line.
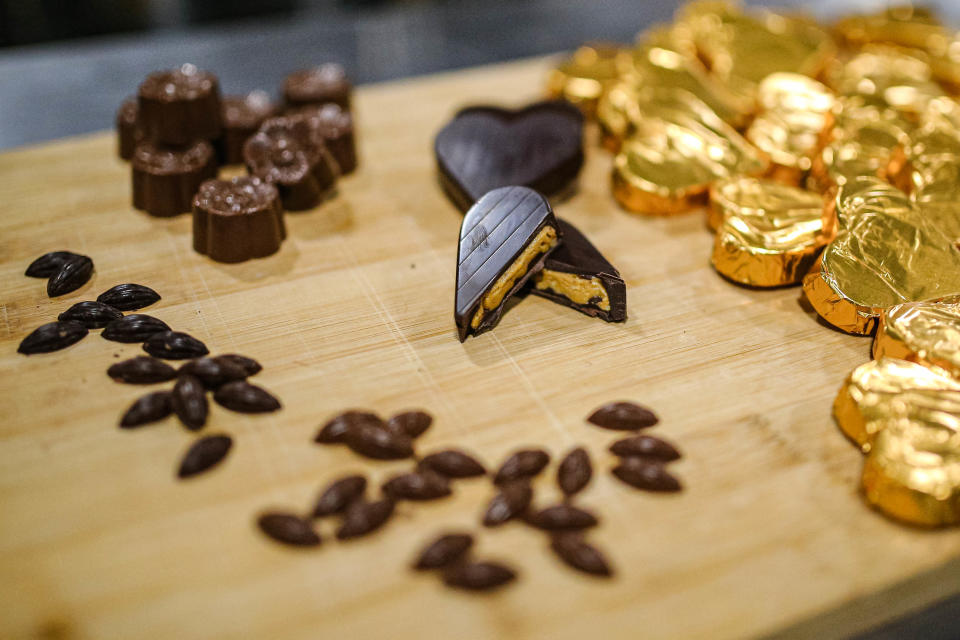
pixel 48 91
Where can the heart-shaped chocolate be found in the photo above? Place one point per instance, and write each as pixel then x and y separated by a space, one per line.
pixel 483 148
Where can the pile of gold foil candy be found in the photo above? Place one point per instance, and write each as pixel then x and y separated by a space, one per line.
pixel 826 156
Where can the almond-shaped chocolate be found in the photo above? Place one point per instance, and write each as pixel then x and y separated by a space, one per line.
pixel 288 528
pixel 166 179
pixel 319 85
pixel 242 116
pixel 237 219
pixel 179 106
pixel 204 454
pixel 289 153
pixel 444 551
pixel 339 495
pixel 92 315
pixel 623 416
pixel 483 148
pixel 504 240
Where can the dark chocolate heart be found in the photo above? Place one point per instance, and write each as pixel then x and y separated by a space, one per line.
pixel 539 146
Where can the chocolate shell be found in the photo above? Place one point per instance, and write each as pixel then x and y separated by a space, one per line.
pixel 242 117
pixel 287 152
pixel 335 126
pixel 180 106
pixel 165 180
pixel 238 219
pixel 320 85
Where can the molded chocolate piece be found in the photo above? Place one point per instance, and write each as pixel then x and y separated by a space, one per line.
pixel 289 153
pixel 483 148
pixel 335 126
pixel 237 219
pixel 577 275
pixel 179 106
pixel 317 86
pixel 242 117
pixel 504 240
pixel 129 133
pixel 165 180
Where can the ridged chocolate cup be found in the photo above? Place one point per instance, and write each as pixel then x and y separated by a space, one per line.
pixel 288 153
pixel 238 219
pixel 179 106
pixel 318 86
pixel 129 133
pixel 165 179
pixel 242 117
pixel 335 126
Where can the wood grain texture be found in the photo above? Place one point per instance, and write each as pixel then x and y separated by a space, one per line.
pixel 98 540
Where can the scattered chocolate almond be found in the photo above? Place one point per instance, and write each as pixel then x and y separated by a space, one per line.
pixel 562 517
pixel 478 576
pixel 289 529
pixel 214 372
pixel 649 475
pixel 418 485
pixel 444 551
pixel 361 518
pixel 243 397
pixel 377 443
pixel 250 366
pixel 339 495
pixel 575 471
pixel 623 416
pixel 136 327
pixel 174 345
pixel 511 501
pixel 335 431
pixel 129 297
pixel 453 464
pixel 190 402
pixel 92 315
pixel 142 370
pixel 645 447
pixel 49 263
pixel 573 550
pixel 150 408
pixel 203 454
pixel 522 464
pixel 410 423
pixel 52 336
pixel 73 273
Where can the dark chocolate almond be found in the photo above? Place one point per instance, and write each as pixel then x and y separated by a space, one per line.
pixel 623 416
pixel 377 443
pixel 174 345
pixel 203 454
pixel 573 550
pixel 511 501
pixel 410 423
pixel 289 529
pixel 504 240
pixel 483 148
pixel 444 551
pixel 243 397
pixel 142 370
pixel 249 365
pixel 649 475
pixel 562 517
pixel 150 408
pixel 522 464
pixel 335 430
pixel 136 327
pixel 417 485
pixel 577 275
pixel 214 372
pixel 645 447
pixel 49 263
pixel 129 297
pixel 339 495
pixel 92 315
pixel 73 273
pixel 52 336
pixel 453 464
pixel 575 471
pixel 190 402
pixel 362 518
pixel 478 576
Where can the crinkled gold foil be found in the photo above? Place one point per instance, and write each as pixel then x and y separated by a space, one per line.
pixel 890 387
pixel 660 60
pixel 678 148
pixel 795 111
pixel 886 76
pixel 885 253
pixel 912 473
pixel 743 49
pixel 769 234
pixel 585 76
pixel 924 332
pixel 904 25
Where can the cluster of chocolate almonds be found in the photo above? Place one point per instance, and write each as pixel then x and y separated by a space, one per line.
pixel 179 129
pixel 829 161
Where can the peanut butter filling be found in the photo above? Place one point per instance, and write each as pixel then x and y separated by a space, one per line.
pixel 545 240
pixel 578 289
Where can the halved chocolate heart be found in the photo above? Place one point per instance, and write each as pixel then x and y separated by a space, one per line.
pixel 483 148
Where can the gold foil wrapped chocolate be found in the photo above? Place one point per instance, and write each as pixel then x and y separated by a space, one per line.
pixel 886 252
pixel 912 472
pixel 887 77
pixel 924 332
pixel 889 388
pixel 677 149
pixel 769 234
pixel 585 76
pixel 794 113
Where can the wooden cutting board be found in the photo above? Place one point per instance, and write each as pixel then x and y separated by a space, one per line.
pixel 98 539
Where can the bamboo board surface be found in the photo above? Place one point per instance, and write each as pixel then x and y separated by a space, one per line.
pixel 97 539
